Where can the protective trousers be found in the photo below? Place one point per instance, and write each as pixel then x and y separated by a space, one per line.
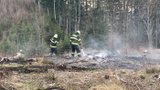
pixel 75 48
pixel 53 51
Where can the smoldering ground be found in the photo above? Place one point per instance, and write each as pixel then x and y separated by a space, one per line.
pixel 114 51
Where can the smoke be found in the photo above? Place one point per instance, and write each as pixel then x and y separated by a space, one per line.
pixel 107 44
pixel 111 44
pixel 114 42
pixel 93 43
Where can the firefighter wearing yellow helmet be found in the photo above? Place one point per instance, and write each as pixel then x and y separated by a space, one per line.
pixel 53 44
pixel 75 42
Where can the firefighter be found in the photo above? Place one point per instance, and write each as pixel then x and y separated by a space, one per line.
pixel 53 44
pixel 75 43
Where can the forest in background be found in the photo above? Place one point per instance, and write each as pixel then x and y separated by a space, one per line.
pixel 109 24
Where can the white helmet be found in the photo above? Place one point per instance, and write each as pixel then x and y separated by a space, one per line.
pixel 78 32
pixel 20 50
pixel 55 36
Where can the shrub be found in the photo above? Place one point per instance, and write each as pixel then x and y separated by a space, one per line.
pixel 64 45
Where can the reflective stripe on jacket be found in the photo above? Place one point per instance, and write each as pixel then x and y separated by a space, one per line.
pixel 75 39
pixel 53 43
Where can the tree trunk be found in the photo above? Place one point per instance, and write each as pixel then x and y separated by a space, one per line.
pixel 55 9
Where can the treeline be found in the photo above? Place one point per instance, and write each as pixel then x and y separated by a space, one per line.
pixel 111 24
pixel 106 23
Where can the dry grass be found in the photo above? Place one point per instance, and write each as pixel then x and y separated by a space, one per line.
pixel 83 80
pixel 50 76
pixel 158 88
pixel 86 79
pixel 42 61
pixel 26 81
pixel 11 65
pixel 152 70
pixel 47 62
pixel 80 80
pixel 112 86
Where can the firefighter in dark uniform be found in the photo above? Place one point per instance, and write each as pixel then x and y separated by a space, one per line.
pixel 75 43
pixel 53 44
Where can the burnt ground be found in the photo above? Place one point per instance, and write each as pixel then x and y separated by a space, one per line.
pixel 109 62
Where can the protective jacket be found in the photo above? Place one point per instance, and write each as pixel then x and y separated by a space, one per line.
pixel 75 39
pixel 53 43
